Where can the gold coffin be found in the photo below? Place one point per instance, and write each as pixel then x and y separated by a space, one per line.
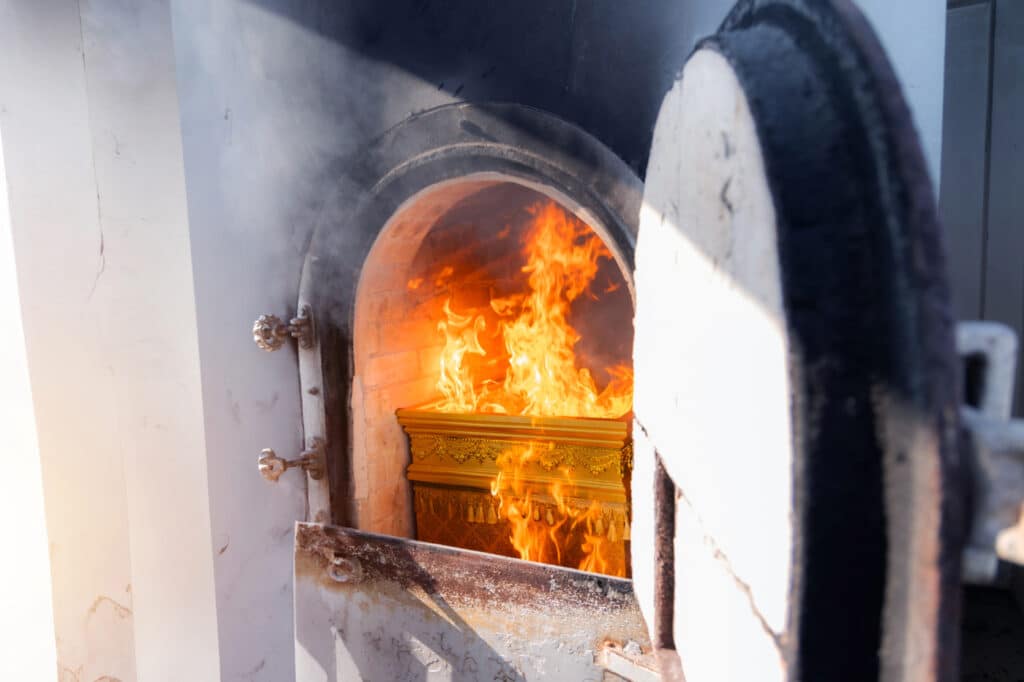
pixel 454 460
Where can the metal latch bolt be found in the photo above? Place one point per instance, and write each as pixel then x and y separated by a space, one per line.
pixel 313 461
pixel 269 332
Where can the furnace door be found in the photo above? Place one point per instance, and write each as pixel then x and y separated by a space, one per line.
pixel 796 406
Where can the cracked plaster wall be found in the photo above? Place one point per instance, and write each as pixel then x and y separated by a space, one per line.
pixel 92 149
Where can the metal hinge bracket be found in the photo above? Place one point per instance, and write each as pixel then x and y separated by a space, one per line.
pixel 270 333
pixel 313 461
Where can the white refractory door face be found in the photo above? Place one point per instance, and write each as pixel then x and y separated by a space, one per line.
pixel 712 391
pixel 797 490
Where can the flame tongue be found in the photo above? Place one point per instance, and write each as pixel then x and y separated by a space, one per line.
pixel 462 338
pixel 548 525
pixel 541 379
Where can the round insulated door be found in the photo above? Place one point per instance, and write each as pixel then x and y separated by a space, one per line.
pixel 797 489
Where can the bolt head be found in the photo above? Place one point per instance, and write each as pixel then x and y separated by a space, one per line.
pixel 266 332
pixel 271 466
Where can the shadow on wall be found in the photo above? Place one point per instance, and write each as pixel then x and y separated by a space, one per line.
pixel 603 65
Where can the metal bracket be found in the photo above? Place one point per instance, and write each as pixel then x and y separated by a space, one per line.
pixel 313 461
pixel 995 450
pixel 269 332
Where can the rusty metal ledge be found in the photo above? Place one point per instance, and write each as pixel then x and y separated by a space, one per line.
pixel 391 608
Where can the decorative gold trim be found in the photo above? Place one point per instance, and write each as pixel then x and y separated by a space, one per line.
pixel 478 507
pixel 610 433
pixel 455 458
pixel 473 519
pixel 460 450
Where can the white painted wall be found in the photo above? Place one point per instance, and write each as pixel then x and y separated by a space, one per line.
pixel 150 335
pixel 255 143
pixel 92 148
pixel 44 122
pixel 171 556
pixel 27 613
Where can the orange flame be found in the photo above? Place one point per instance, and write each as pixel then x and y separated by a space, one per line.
pixel 541 378
pixel 550 525
pixel 462 337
